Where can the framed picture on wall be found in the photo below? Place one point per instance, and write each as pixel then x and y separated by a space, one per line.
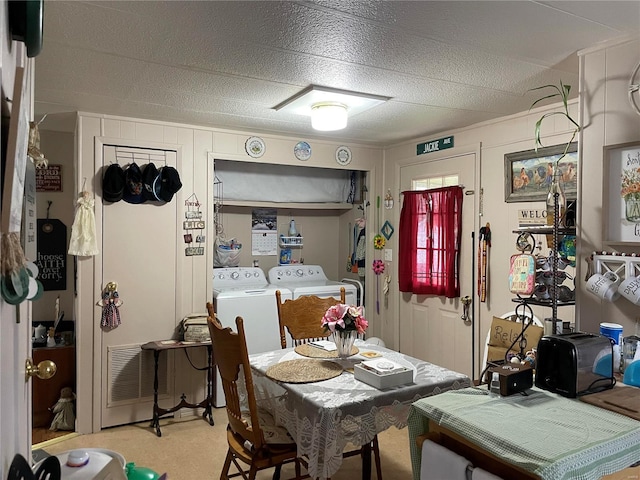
pixel 16 160
pixel 621 193
pixel 528 174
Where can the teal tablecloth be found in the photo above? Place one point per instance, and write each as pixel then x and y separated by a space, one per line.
pixel 551 436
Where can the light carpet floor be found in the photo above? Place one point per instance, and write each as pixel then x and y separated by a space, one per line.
pixel 191 449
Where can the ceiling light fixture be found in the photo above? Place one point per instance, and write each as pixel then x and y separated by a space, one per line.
pixel 315 101
pixel 328 116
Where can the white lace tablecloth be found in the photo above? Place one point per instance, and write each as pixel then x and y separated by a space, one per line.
pixel 324 416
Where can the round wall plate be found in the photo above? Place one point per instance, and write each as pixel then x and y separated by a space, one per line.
pixel 302 151
pixel 343 155
pixel 254 146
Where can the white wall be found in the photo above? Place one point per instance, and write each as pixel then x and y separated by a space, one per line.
pixel 496 138
pixel 608 119
pixel 325 231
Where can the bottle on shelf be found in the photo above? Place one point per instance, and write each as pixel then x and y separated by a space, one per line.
pixel 292 229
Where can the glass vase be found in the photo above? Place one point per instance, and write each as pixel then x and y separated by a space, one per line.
pixel 632 208
pixel 344 342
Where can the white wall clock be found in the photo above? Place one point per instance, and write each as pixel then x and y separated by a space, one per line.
pixel 302 151
pixel 343 155
pixel 254 146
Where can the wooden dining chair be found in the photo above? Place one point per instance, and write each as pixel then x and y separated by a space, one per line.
pixel 211 310
pixel 302 317
pixel 253 437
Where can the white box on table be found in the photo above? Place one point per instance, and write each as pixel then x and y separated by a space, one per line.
pixel 382 381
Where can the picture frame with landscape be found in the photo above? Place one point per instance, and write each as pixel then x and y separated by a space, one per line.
pixel 528 174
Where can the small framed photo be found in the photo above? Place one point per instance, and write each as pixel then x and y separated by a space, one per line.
pixel 528 174
pixel 188 238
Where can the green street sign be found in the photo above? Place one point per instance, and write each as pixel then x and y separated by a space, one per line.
pixel 434 145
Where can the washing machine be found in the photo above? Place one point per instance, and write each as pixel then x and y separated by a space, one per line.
pixel 311 280
pixel 245 292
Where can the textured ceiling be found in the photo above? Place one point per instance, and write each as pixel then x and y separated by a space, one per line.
pixel 444 64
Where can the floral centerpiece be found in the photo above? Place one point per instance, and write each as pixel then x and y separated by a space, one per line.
pixel 344 322
pixel 630 191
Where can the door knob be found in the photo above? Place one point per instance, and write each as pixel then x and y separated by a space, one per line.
pixel 44 370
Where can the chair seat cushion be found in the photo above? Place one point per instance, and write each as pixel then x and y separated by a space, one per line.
pixel 273 434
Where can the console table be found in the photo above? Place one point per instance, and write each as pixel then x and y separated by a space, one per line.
pixel 162 345
pixel 548 436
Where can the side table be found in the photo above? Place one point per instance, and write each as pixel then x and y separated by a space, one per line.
pixel 159 346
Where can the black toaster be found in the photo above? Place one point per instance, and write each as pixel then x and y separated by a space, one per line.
pixel 574 364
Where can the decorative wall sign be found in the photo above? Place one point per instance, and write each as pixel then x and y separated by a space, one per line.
pixel 193 225
pixel 191 214
pixel 29 220
pixel 49 179
pixel 52 254
pixel 192 251
pixel 621 202
pixel 434 145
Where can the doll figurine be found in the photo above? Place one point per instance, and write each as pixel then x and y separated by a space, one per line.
pixel 65 417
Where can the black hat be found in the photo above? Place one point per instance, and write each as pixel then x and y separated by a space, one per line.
pixel 169 184
pixel 148 177
pixel 113 183
pixel 133 184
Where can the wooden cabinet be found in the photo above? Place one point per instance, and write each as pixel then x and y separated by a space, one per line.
pixel 47 392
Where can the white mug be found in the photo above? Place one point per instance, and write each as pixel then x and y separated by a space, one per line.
pixel 630 289
pixel 604 286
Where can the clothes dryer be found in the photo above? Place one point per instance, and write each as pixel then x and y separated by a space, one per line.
pixel 245 292
pixel 310 280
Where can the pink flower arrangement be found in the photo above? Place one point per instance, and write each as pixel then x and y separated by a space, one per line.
pixel 343 317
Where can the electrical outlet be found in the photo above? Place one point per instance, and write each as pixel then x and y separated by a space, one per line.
pixel 388 255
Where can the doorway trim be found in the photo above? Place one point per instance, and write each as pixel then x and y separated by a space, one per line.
pixel 471 149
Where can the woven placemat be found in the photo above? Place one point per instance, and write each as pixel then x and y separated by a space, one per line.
pixel 307 350
pixel 303 370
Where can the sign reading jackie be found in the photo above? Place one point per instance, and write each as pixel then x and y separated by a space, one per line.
pixel 52 254
pixel 434 145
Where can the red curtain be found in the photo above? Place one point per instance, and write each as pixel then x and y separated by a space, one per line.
pixel 429 237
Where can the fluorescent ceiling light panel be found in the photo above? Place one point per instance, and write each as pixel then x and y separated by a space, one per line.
pixel 356 103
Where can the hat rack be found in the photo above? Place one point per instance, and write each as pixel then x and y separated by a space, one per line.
pixel 625 265
pixel 136 154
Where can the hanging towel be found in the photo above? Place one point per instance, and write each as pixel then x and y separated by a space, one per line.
pixel 83 240
pixel 440 463
pixel 480 474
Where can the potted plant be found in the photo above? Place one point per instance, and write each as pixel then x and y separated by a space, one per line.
pixel 563 92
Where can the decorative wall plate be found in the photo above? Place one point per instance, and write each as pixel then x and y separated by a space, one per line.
pixel 343 155
pixel 254 147
pixel 302 151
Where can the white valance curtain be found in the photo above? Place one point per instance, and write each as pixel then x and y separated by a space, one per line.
pixel 248 181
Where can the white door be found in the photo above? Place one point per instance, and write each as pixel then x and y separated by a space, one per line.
pixel 15 392
pixel 431 326
pixel 139 255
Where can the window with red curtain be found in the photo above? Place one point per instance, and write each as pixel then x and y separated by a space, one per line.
pixel 429 242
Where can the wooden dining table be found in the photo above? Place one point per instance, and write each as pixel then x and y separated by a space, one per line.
pixel 324 416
